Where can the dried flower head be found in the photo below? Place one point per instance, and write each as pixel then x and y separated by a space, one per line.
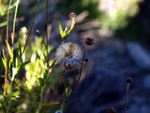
pixel 69 54
pixel 89 41
pixel 72 15
pixel 129 80
pixel 111 110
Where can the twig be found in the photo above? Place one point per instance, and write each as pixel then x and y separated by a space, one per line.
pixel 126 97
pixel 80 69
pixel 59 79
pixel 14 23
pixel 30 29
pixel 47 33
pixel 6 47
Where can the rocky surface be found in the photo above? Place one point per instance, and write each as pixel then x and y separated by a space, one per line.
pixel 105 86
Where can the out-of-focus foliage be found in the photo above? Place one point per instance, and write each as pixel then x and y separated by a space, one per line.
pixel 139 25
pixel 79 6
pixel 3 11
pixel 116 12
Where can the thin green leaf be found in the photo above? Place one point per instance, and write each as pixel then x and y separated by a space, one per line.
pixel 13 98
pixel 9 50
pixel 3 24
pixel 5 100
pixel 22 65
pixel 4 63
pixel 60 27
pixel 72 26
pixel 3 107
pixel 53 63
pixel 6 77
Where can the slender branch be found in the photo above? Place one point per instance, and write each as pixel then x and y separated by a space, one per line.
pixel 80 69
pixel 5 86
pixel 59 80
pixel 47 31
pixel 30 29
pixel 126 97
pixel 47 22
pixel 14 23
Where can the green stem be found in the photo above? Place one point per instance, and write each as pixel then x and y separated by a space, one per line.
pixel 30 29
pixel 41 96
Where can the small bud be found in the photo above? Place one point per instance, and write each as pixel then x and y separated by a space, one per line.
pixel 89 41
pixel 72 15
pixel 111 110
pixel 129 80
pixel 86 60
pixel 24 30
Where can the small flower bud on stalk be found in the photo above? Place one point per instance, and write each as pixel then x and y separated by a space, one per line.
pixel 24 31
pixel 111 110
pixel 89 41
pixel 72 15
pixel 128 81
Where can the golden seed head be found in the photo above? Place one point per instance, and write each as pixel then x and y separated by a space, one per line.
pixel 72 15
pixel 24 30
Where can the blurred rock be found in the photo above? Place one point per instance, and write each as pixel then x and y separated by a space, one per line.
pixel 105 81
pixel 139 55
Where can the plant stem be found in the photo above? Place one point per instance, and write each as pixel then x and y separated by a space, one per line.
pixel 5 86
pixel 80 68
pixel 126 97
pixel 14 23
pixel 30 29
pixel 41 96
pixel 59 79
pixel 47 35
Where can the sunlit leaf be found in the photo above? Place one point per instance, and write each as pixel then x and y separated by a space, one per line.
pixel 60 27
pixel 22 65
pixel 4 63
pixel 3 24
pixel 17 93
pixel 9 50
pixel 13 98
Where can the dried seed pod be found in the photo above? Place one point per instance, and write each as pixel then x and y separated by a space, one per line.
pixel 89 41
pixel 129 80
